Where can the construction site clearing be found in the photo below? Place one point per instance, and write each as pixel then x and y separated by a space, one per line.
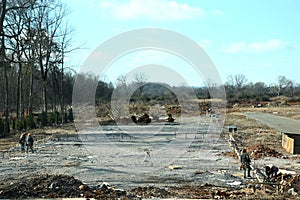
pixel 62 167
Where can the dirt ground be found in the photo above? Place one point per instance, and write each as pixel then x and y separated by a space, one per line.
pixel 265 142
pixel 42 133
pixel 250 132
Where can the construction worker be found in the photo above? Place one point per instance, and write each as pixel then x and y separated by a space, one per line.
pixel 245 161
pixel 271 171
pixel 22 142
pixel 29 143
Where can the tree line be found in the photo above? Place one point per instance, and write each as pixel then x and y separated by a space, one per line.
pixel 34 38
pixel 237 88
pixel 240 90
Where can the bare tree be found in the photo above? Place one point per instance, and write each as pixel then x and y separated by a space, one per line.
pixel 281 81
pixel 48 19
pixel 140 78
pixel 5 35
pixel 259 88
pixel 290 87
pixel 121 85
pixel 15 28
pixel 237 80
pixel 139 82
pixel 3 62
pixel 65 49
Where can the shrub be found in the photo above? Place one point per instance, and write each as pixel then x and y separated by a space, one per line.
pixel 51 118
pixel 19 125
pixel 58 117
pixel 14 124
pixel 1 126
pixel 54 118
pixel 70 115
pixel 43 119
pixel 66 118
pixel 30 122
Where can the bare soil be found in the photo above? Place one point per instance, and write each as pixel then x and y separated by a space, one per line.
pixel 12 140
pixel 253 134
pixel 256 137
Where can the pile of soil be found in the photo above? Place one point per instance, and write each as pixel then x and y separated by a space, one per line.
pixel 64 186
pixel 57 186
pixel 258 151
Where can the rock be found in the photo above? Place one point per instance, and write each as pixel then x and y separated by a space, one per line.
pixel 104 185
pixel 83 187
pixel 51 186
pixel 88 194
pixel 119 192
pixel 235 183
pixel 291 191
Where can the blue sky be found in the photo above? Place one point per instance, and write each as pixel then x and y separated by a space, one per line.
pixel 260 39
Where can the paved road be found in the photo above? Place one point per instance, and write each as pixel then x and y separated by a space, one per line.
pixel 279 123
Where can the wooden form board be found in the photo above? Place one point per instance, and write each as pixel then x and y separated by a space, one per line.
pixel 291 142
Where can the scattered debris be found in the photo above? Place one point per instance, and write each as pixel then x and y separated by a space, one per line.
pixel 292 192
pixel 170 118
pixel 204 184
pixel 198 172
pixel 174 167
pixel 235 183
pixel 231 154
pixel 260 151
pixel 150 192
pixel 144 119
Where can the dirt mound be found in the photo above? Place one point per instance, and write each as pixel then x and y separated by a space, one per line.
pixel 50 186
pixel 258 151
pixel 56 186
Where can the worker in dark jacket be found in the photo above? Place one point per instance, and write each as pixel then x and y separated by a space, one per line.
pixel 245 161
pixel 29 143
pixel 271 171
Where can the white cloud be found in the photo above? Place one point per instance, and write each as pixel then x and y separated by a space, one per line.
pixel 158 10
pixel 271 45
